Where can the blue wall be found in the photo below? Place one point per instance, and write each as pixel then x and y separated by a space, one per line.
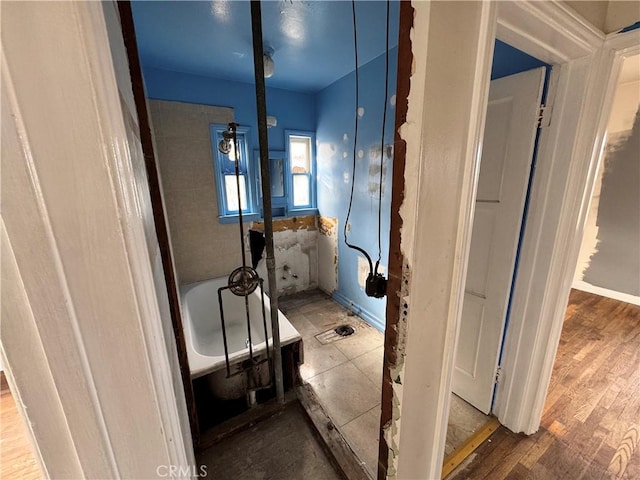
pixel 335 107
pixel 330 113
pixel 508 60
pixel 294 111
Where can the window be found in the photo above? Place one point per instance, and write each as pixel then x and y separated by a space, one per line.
pixel 229 202
pixel 301 171
pixel 293 189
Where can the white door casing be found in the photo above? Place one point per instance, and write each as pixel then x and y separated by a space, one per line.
pixel 509 138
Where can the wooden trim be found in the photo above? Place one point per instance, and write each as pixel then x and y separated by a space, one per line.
pixel 568 160
pixel 396 258
pixel 548 31
pixel 468 447
pixel 4 385
pixel 96 380
pixel 340 451
pixel 137 85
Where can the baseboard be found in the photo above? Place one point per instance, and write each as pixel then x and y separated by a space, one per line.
pixel 367 316
pixel 605 292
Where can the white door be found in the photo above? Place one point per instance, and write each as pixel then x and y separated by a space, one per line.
pixel 512 118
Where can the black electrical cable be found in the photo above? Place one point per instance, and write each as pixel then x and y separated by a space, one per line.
pixel 355 139
pixel 384 122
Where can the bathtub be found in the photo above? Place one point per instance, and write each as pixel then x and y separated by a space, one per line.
pixel 203 329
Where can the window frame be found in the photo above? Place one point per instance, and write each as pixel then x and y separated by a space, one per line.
pixel 279 204
pixel 225 215
pixel 311 208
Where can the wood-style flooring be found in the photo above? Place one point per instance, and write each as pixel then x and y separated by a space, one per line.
pixel 591 422
pixel 16 454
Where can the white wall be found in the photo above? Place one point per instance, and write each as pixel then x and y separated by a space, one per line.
pixel 81 331
pixel 130 117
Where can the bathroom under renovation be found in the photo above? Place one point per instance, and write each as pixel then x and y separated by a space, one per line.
pixel 304 239
pixel 272 125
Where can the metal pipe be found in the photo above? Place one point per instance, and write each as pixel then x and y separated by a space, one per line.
pixel 233 127
pixel 224 331
pixel 261 103
pixel 266 333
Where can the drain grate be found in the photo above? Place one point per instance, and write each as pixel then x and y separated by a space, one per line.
pixel 344 330
pixel 335 334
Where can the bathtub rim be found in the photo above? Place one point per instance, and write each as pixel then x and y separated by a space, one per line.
pixel 201 365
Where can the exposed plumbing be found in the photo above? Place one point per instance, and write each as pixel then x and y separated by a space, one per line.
pixel 286 269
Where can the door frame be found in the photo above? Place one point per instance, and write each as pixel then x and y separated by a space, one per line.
pixel 552 238
pixel 79 251
pixel 430 253
pixel 497 289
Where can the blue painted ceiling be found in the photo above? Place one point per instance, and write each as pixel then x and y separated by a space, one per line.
pixel 312 41
pixel 508 60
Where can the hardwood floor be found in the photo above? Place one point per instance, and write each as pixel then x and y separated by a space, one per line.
pixel 16 455
pixel 591 422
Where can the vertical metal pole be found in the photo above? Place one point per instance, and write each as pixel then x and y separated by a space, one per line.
pixel 261 102
pixel 224 332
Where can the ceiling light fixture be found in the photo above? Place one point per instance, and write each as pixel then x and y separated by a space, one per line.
pixel 268 64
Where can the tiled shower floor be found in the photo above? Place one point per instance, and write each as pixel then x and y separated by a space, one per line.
pixel 346 375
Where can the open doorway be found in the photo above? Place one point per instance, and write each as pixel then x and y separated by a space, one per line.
pixel 516 95
pixel 588 423
pixel 192 95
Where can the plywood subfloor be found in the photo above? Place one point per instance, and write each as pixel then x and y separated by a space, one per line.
pixel 591 422
pixel 16 455
pixel 282 447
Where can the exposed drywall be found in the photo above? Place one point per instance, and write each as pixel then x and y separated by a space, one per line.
pixel 335 130
pixel 295 242
pixel 327 254
pixel 293 110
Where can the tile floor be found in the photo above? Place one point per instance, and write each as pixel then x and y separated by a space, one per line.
pixel 347 375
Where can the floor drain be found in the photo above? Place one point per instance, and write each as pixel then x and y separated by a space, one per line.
pixel 335 334
pixel 344 330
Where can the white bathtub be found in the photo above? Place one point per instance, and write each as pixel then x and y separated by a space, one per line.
pixel 203 328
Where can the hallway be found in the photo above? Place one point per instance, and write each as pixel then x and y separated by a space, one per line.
pixel 591 423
